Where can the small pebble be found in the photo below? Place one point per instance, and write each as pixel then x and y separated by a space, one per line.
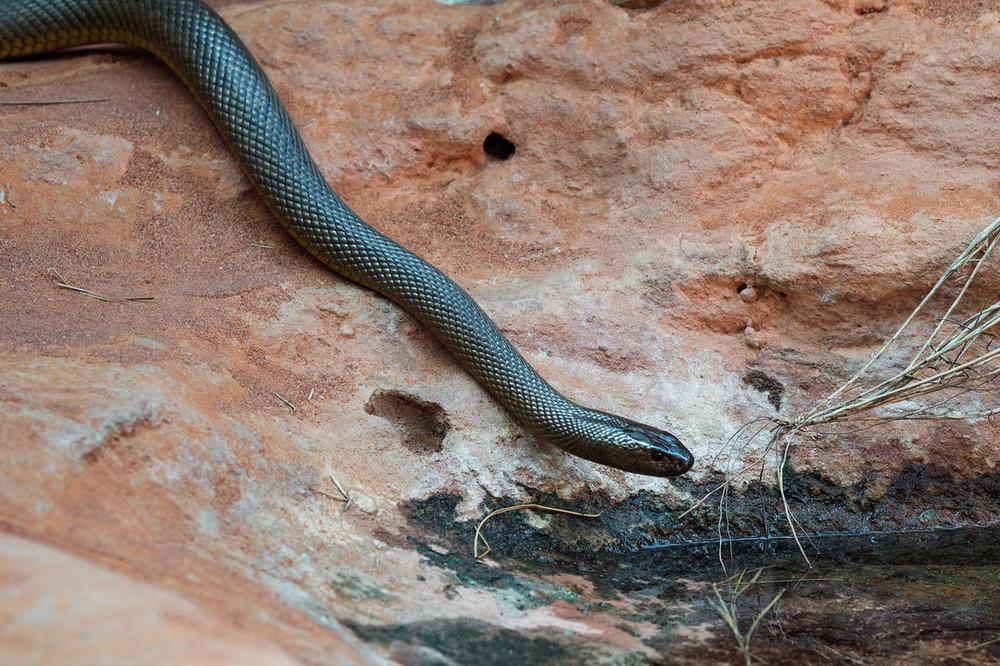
pixel 364 503
pixel 748 294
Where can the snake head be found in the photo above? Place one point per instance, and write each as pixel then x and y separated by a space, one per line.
pixel 648 450
pixel 630 446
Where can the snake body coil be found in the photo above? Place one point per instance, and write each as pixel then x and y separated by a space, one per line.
pixel 226 80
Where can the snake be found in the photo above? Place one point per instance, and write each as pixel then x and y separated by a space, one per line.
pixel 226 80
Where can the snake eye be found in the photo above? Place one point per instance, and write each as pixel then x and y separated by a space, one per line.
pixel 657 456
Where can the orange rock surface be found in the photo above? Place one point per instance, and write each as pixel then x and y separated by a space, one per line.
pixel 700 189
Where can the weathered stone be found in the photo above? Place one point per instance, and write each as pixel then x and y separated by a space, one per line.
pixel 700 192
pixel 60 609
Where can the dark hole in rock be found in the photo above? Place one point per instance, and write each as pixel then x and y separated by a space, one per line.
pixel 424 424
pixel 496 145
pixel 866 7
pixel 743 286
pixel 766 384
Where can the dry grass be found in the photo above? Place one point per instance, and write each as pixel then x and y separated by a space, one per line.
pixel 726 602
pixel 951 370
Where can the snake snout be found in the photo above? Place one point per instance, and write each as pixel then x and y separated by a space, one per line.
pixel 667 456
pixel 672 454
pixel 677 452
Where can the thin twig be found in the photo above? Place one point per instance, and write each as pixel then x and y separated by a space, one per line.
pixel 517 507
pixel 789 516
pixel 284 400
pixel 347 498
pixel 63 284
pixel 326 494
pixel 53 102
pixel 344 497
pixel 728 610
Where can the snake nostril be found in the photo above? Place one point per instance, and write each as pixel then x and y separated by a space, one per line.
pixel 496 145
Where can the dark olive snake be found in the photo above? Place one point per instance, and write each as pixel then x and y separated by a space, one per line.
pixel 226 80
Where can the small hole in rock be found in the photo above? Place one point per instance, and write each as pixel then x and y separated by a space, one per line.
pixel 496 145
pixel 638 4
pixel 741 287
pixel 422 423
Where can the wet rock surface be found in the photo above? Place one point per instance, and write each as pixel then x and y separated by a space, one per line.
pixel 704 213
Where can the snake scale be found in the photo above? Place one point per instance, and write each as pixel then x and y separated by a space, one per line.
pixel 226 80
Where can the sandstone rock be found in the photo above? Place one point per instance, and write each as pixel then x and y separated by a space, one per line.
pixel 59 609
pixel 701 192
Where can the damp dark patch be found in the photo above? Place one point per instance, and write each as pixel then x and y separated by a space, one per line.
pixel 446 544
pixel 639 541
pixel 498 146
pixel 607 550
pixel 463 642
pixel 424 424
pixel 765 383
pixel 891 558
pixel 852 614
pixel 923 586
pixel 846 524
pixel 638 4
pixel 441 540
